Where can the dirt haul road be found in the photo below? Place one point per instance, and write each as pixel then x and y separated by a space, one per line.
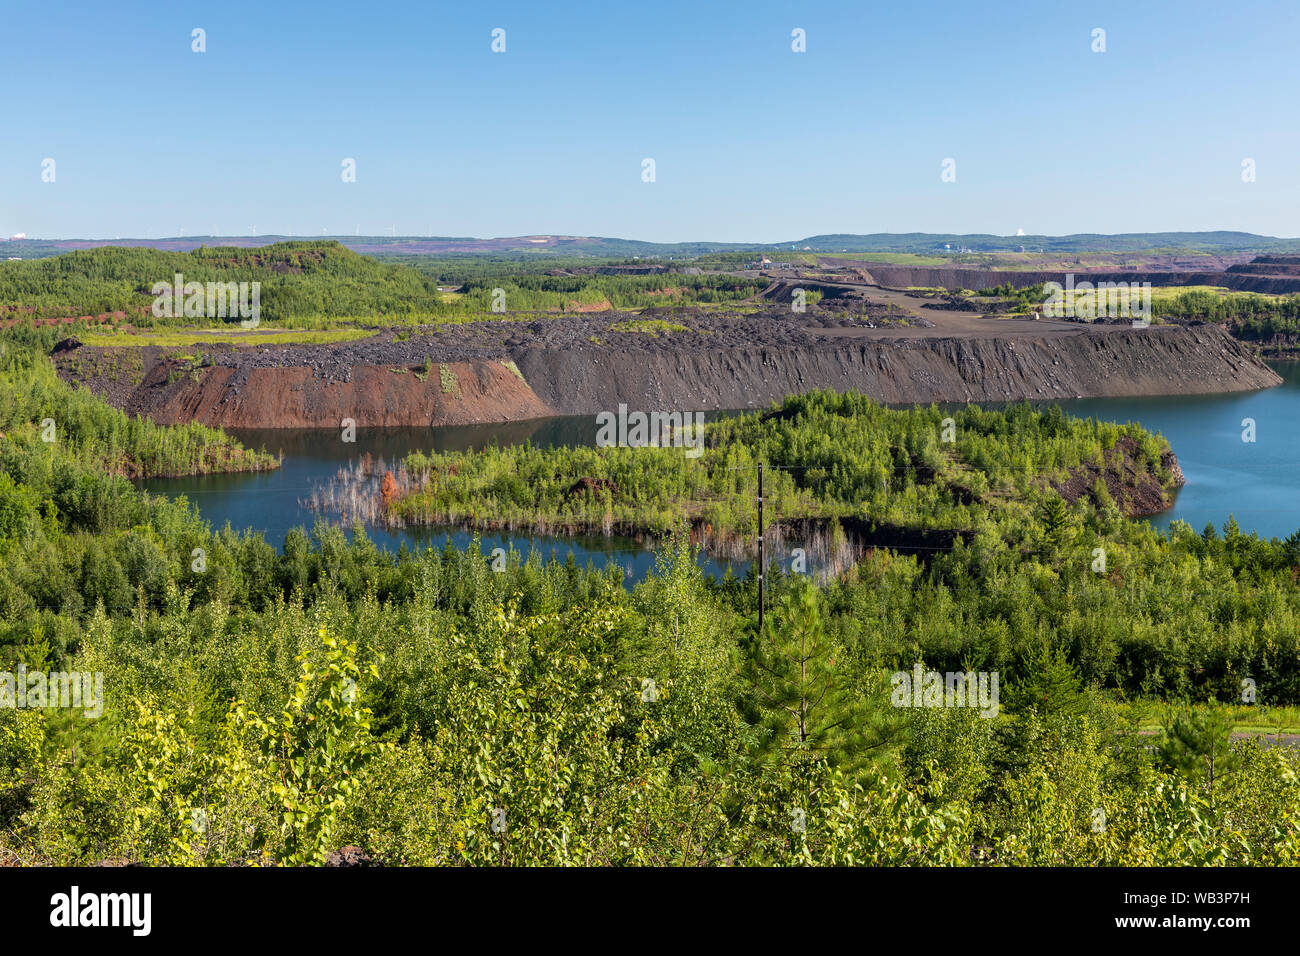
pixel 497 371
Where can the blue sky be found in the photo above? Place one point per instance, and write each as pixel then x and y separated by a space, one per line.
pixel 752 142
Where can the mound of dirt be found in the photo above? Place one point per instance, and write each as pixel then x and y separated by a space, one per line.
pixel 350 856
pixel 1134 487
pixel 496 371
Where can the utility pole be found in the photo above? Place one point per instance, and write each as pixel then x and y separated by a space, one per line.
pixel 762 577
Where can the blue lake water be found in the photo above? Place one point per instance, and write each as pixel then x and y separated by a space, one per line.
pixel 274 502
pixel 1257 482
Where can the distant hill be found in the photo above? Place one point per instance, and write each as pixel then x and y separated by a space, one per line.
pixel 298 279
pixel 596 246
pixel 400 245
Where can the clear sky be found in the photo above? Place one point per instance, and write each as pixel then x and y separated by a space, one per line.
pixel 751 141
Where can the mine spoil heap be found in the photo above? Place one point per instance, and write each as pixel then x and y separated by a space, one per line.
pixel 577 365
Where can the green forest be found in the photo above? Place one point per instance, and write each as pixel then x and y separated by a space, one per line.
pixel 41 413
pixel 320 284
pixel 829 456
pixel 1247 315
pixel 267 706
pixel 300 280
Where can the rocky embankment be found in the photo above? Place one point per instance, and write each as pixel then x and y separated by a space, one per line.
pixel 503 371
pixel 1136 489
pixel 1275 275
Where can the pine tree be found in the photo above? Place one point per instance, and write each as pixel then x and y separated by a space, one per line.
pixel 1198 743
pixel 1055 517
pixel 1049 684
pixel 811 701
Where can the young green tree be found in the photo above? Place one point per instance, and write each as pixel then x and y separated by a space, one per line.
pixel 1055 517
pixel 809 697
pixel 1198 743
pixel 316 748
pixel 1048 684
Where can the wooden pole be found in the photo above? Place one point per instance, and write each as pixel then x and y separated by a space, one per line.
pixel 762 576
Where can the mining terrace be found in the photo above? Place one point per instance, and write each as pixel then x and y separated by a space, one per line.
pixel 893 345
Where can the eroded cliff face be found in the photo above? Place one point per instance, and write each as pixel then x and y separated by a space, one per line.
pixel 1164 360
pixel 458 393
pixel 315 394
pixel 377 383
